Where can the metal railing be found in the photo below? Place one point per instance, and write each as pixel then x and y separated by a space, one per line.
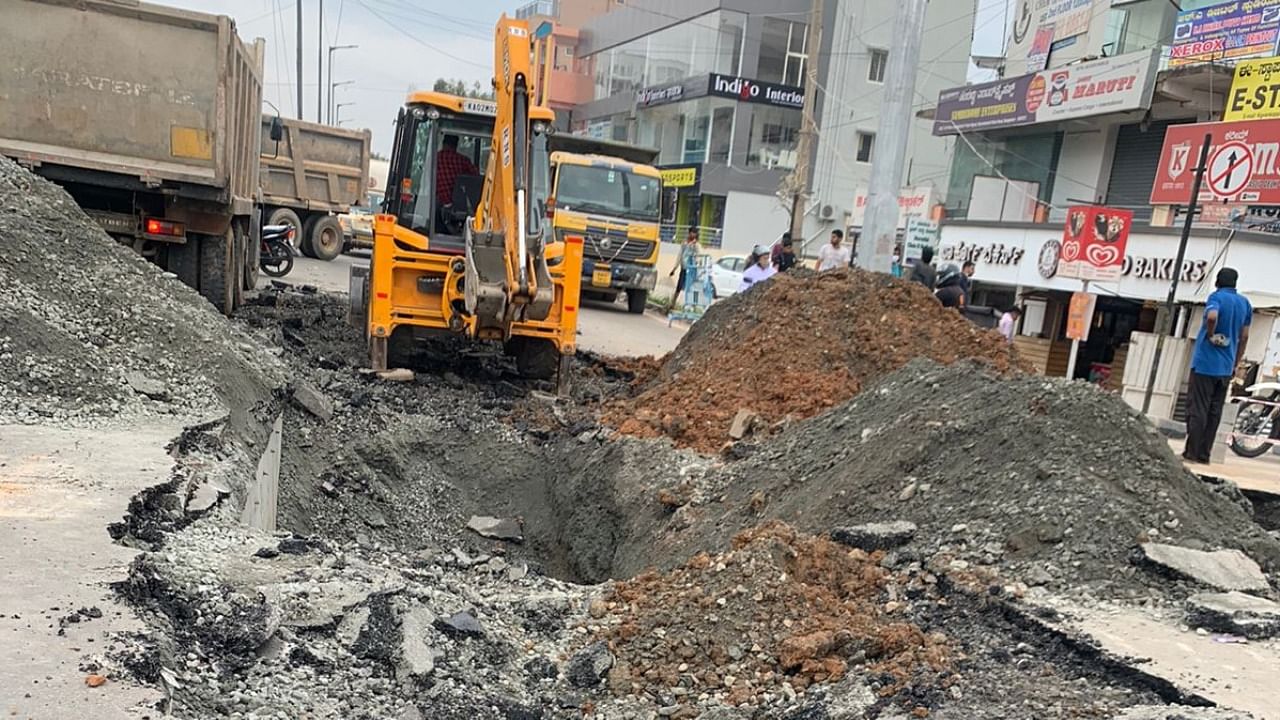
pixel 708 236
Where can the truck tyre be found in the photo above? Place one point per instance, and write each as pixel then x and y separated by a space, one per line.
pixel 637 300
pixel 214 266
pixel 325 237
pixel 184 261
pixel 252 255
pixel 285 216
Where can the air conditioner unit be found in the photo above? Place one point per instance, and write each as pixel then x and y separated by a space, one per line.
pixel 827 212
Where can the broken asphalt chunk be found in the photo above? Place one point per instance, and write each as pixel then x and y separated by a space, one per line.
pixel 313 401
pixel 460 625
pixel 1235 613
pixel 589 665
pixel 876 536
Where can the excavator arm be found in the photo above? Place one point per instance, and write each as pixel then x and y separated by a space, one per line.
pixel 507 277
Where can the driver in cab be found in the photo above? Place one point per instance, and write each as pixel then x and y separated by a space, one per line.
pixel 450 165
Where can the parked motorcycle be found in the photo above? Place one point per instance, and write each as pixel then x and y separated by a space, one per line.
pixel 1257 426
pixel 277 250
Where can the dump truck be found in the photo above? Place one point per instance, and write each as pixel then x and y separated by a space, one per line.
pixel 149 116
pixel 609 193
pixel 357 224
pixel 310 175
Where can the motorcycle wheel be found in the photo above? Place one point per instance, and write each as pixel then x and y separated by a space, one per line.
pixel 278 261
pixel 1251 422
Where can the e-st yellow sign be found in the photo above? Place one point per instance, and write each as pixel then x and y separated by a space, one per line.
pixel 1255 92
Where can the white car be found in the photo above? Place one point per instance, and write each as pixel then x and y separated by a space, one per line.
pixel 726 275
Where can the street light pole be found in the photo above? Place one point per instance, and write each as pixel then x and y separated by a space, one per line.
pixel 299 4
pixel 329 82
pixel 319 62
pixel 1171 302
pixel 332 88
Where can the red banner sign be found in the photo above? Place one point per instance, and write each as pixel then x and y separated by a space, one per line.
pixel 1094 243
pixel 1243 165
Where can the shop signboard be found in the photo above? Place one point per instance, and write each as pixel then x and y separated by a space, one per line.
pixel 1094 242
pixel 684 176
pixel 916 200
pixel 1110 85
pixel 921 233
pixel 1243 166
pixel 754 91
pixel 1255 91
pixel 1069 18
pixel 1038 55
pixel 1227 31
pixel 659 95
pixel 1080 315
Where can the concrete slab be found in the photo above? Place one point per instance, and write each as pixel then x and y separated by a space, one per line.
pixel 1235 676
pixel 1222 569
pixel 59 489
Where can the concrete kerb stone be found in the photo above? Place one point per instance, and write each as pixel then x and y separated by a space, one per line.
pixel 1223 569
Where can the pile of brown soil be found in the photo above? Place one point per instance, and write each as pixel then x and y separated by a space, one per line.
pixel 780 609
pixel 794 347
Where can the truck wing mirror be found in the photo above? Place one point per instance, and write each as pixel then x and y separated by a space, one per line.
pixel 277 129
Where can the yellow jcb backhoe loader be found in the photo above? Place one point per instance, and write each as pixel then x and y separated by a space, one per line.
pixel 463 244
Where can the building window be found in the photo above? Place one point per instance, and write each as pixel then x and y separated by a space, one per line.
pixel 879 62
pixel 783 51
pixel 866 141
pixel 775 133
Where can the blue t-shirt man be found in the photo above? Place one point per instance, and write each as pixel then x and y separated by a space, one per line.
pixel 1219 349
pixel 1227 315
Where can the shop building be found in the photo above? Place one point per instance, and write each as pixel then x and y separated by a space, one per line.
pixel 718 87
pixel 1080 118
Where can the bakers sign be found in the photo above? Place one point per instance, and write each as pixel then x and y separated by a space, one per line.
pixel 1094 242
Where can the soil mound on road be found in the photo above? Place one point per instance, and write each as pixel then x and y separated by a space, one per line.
pixel 89 330
pixel 778 609
pixel 1056 481
pixel 796 346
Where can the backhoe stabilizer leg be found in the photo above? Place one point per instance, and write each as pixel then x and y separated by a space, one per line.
pixel 486 279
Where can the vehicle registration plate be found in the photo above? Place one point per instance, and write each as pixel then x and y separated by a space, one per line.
pixel 601 276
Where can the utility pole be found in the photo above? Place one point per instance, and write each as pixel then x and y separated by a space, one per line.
pixel 880 229
pixel 1162 328
pixel 808 127
pixel 319 62
pixel 330 84
pixel 299 6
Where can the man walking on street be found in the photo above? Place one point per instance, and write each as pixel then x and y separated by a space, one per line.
pixel 833 256
pixel 923 271
pixel 966 279
pixel 1218 351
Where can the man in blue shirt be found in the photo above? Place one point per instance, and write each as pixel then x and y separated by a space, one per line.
pixel 1218 351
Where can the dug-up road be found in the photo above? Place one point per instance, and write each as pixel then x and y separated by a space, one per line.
pixel 603 328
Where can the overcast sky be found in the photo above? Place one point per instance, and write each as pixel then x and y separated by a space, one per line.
pixel 403 44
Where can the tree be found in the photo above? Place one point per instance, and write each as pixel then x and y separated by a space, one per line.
pixel 461 89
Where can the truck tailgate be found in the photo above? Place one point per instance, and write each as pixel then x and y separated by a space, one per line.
pixel 141 90
pixel 315 167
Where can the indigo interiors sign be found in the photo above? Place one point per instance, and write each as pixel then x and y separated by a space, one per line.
pixel 754 91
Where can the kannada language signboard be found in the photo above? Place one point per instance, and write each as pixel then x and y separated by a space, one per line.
pixel 1226 32
pixel 1109 85
pixel 1255 91
pixel 1094 243
pixel 1243 165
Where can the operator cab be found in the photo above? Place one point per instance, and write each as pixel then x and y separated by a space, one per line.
pixel 441 154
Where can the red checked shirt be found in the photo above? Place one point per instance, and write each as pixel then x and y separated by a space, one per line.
pixel 449 165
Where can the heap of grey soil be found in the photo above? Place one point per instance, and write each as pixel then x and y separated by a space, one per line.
pixel 91 331
pixel 1056 481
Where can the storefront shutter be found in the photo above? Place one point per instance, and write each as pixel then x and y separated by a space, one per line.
pixel 1133 171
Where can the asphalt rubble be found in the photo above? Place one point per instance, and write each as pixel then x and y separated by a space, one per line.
pixel 463 544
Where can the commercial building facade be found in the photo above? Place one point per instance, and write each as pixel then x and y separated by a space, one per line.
pixel 1080 117
pixel 718 87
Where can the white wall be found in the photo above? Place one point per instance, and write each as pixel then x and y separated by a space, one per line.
pixel 750 220
pixel 851 103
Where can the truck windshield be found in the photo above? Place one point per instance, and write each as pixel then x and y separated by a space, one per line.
pixel 607 191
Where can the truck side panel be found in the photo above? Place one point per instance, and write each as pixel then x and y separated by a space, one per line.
pixel 315 167
pixel 144 91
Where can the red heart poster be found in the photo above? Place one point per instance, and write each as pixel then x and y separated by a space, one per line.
pixel 1094 242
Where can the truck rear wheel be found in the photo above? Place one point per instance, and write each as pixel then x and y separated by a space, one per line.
pixel 220 260
pixel 325 237
pixel 285 216
pixel 637 300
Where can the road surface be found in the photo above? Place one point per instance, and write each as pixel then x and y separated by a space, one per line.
pixel 602 327
pixel 1257 474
